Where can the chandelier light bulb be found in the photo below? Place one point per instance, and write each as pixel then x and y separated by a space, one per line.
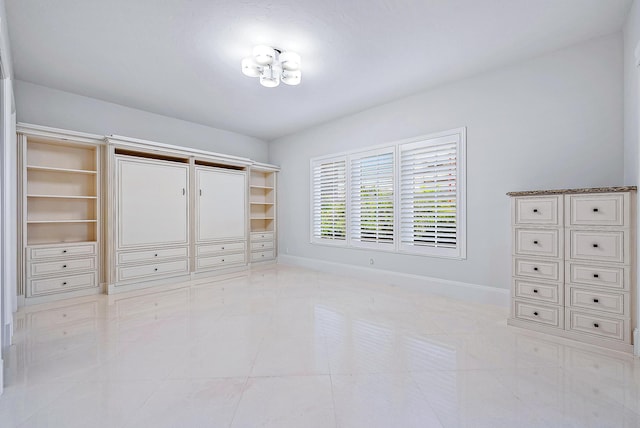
pixel 273 66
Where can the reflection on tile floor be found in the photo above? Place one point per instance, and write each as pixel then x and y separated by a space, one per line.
pixel 288 347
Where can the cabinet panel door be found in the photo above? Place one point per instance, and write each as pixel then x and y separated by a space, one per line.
pixel 152 202
pixel 221 204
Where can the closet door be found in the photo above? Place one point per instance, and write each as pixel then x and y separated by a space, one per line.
pixel 152 202
pixel 221 204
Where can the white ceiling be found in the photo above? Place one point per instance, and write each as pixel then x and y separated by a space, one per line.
pixel 181 58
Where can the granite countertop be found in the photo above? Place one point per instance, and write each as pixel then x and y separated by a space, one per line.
pixel 566 191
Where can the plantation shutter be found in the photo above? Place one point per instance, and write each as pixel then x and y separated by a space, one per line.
pixel 329 182
pixel 372 199
pixel 429 197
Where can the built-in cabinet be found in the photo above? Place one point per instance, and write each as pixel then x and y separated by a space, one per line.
pixel 115 213
pixel 574 264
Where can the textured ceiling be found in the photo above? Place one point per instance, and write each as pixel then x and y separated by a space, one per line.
pixel 181 58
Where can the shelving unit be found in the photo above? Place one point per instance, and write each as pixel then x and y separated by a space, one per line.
pixel 61 214
pixel 262 213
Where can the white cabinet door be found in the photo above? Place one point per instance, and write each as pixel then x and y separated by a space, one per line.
pixel 152 202
pixel 221 204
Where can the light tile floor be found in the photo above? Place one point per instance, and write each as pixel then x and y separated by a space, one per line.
pixel 288 347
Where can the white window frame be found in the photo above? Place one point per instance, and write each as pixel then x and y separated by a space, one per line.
pixel 459 253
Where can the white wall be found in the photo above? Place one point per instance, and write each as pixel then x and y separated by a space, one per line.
pixel 631 95
pixel 49 107
pixel 550 122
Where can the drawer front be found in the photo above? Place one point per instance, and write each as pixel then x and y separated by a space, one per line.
pixel 615 303
pixel 597 210
pixel 63 283
pixel 37 253
pixel 548 315
pixel 153 270
pixel 150 255
pixel 609 327
pixel 229 247
pixel 606 246
pixel 543 292
pixel 599 276
pixel 537 242
pixel 541 269
pixel 220 261
pixel 63 266
pixel 262 255
pixel 260 246
pixel 544 210
pixel 262 236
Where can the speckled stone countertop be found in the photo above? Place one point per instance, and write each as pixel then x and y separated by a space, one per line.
pixel 565 191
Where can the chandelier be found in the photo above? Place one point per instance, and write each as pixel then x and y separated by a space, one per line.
pixel 272 66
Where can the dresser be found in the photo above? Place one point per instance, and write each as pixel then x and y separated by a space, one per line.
pixel 573 264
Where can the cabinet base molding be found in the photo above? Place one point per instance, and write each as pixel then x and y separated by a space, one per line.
pixel 571 335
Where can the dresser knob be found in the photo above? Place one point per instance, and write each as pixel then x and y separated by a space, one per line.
pixel 64 283
pixel 595 275
pixel 223 248
pixel 535 291
pixel 222 259
pixel 535 242
pixel 64 266
pixel 535 313
pixel 595 300
pixel 535 210
pixel 595 210
pixel 595 245
pixel 155 255
pixel 535 268
pixel 596 325
pixel 64 251
pixel 155 269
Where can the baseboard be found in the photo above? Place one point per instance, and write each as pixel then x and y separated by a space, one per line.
pixel 443 287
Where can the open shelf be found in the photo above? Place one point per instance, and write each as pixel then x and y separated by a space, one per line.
pixel 56 233
pixel 64 170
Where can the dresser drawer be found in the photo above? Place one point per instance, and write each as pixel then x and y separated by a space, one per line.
pixel 549 270
pixel 228 247
pixel 150 255
pixel 548 315
pixel 152 270
pixel 260 246
pixel 61 267
pixel 599 276
pixel 606 209
pixel 537 242
pixel 604 326
pixel 63 283
pixel 539 210
pixel 606 246
pixel 37 253
pixel 615 303
pixel 262 255
pixel 261 236
pixel 220 261
pixel 546 292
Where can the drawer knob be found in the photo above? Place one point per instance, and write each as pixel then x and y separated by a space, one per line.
pixel 535 242
pixel 595 245
pixel 535 268
pixel 155 255
pixel 595 275
pixel 155 269
pixel 596 325
pixel 64 251
pixel 64 266
pixel 535 290
pixel 595 300
pixel 595 210
pixel 535 313
pixel 64 283
pixel 535 210
pixel 222 259
pixel 223 248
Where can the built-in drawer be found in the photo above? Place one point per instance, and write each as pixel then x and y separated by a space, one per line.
pixel 540 210
pixel 537 242
pixel 260 246
pixel 152 270
pixel 599 276
pixel 220 261
pixel 547 292
pixel 63 283
pixel 606 246
pixel 548 315
pixel 52 318
pixel 549 270
pixel 62 266
pixel 262 255
pixel 227 247
pixel 606 209
pixel 261 236
pixel 45 252
pixel 150 255
pixel 615 303
pixel 598 325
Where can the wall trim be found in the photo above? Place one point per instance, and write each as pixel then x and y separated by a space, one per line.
pixel 465 291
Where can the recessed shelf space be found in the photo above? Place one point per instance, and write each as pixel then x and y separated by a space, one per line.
pixel 60 156
pixel 54 183
pixel 56 233
pixel 57 209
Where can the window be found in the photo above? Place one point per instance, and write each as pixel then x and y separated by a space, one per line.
pixel 407 197
pixel 329 203
pixel 371 197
